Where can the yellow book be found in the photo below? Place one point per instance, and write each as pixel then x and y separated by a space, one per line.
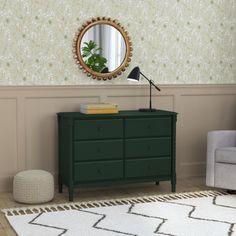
pixel 99 106
pixel 99 111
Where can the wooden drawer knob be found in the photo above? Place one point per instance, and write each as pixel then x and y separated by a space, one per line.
pixel 99 128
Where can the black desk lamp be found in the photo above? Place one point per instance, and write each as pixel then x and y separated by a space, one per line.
pixel 134 76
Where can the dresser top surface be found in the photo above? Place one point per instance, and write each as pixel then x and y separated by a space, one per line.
pixel 122 113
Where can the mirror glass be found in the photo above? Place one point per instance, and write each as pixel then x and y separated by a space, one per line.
pixel 103 48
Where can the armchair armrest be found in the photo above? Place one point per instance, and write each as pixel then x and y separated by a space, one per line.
pixel 217 139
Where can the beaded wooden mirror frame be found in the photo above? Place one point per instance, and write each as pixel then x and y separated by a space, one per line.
pixel 79 58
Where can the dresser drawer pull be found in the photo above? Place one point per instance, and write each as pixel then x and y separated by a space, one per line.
pixel 99 150
pixel 99 171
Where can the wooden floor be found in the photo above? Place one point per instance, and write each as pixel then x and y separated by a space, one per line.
pixel 119 191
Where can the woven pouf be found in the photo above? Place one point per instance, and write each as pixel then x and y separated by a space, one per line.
pixel 33 186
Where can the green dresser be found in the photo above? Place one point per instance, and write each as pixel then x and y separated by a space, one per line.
pixel 130 146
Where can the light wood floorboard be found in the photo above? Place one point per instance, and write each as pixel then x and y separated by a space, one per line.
pixel 102 193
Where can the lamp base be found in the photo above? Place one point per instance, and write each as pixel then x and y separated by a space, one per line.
pixel 147 110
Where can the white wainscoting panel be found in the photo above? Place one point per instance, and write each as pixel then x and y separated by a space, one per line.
pixel 201 113
pixel 8 141
pixel 41 129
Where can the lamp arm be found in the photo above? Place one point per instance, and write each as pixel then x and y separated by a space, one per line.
pixel 155 86
pixel 150 81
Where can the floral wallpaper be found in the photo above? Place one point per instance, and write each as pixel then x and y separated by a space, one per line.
pixel 174 41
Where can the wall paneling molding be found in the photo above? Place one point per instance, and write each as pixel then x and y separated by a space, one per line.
pixel 28 124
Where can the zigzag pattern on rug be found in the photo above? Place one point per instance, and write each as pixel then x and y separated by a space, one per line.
pixel 163 220
pixel 195 213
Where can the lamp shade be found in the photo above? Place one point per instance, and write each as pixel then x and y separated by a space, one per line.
pixel 134 74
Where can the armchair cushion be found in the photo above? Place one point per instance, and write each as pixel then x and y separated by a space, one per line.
pixel 226 155
pixel 218 139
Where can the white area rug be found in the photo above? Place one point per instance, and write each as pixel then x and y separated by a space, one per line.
pixel 209 213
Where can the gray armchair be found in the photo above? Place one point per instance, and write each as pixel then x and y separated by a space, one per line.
pixel 221 159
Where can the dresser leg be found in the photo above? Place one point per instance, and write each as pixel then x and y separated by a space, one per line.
pixel 157 182
pixel 173 183
pixel 173 188
pixel 71 193
pixel 59 184
pixel 60 188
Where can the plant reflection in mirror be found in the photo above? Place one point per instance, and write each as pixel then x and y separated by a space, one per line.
pixel 93 58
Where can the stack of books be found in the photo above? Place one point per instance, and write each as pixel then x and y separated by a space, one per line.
pixel 99 108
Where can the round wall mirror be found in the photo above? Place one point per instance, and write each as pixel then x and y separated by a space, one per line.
pixel 102 48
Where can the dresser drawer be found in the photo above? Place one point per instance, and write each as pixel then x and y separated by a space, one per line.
pixel 98 129
pixel 147 147
pixel 148 127
pixel 98 150
pixel 98 170
pixel 148 167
